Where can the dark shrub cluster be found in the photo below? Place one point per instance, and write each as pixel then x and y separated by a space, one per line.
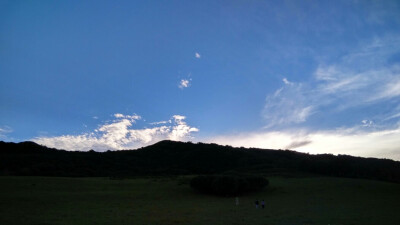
pixel 228 185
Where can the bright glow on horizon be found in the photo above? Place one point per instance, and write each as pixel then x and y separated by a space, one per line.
pixel 353 141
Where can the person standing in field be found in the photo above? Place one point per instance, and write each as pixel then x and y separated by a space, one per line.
pixel 262 204
pixel 256 202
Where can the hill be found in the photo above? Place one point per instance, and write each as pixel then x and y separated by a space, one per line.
pixel 178 158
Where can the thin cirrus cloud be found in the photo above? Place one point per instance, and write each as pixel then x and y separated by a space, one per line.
pixel 349 83
pixel 4 131
pixel 119 135
pixel 161 122
pixel 289 104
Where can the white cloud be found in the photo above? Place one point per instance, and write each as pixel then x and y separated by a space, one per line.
pixel 197 55
pixel 184 83
pixel 382 144
pixel 367 123
pixel 118 115
pixel 161 122
pixel 390 90
pixel 286 81
pixel 119 135
pixel 349 83
pixel 178 118
pixel 352 141
pixel 129 117
pixel 393 116
pixel 326 73
pixel 4 131
pixel 372 54
pixel 344 84
pixel 288 105
pixel 267 140
pixel 181 129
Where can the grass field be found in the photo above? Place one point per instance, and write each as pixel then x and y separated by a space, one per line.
pixel 289 201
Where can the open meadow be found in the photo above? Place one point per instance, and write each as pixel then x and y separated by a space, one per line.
pixel 156 201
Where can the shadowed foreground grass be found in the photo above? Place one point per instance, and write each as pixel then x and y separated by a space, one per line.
pixel 289 201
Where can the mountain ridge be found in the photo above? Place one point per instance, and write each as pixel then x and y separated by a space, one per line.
pixel 184 158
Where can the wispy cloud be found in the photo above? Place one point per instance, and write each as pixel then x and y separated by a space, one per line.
pixel 397 115
pixel 350 82
pixel 197 55
pixel 4 131
pixel 287 105
pixel 161 122
pixel 326 73
pixel 119 134
pixel 184 83
pixel 390 89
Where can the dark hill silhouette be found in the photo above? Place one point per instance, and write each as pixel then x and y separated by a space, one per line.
pixel 178 158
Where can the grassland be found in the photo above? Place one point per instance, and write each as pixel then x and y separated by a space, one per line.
pixel 156 201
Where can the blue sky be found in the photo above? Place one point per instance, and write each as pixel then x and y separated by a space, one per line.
pixel 314 76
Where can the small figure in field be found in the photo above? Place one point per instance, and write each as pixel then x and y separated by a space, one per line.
pixel 262 204
pixel 256 202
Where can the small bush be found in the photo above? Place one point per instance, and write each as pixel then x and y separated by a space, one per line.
pixel 228 185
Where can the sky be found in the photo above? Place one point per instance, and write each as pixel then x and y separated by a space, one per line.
pixel 311 76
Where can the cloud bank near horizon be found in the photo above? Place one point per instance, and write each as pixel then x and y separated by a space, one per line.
pixel 119 135
pixel 355 141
